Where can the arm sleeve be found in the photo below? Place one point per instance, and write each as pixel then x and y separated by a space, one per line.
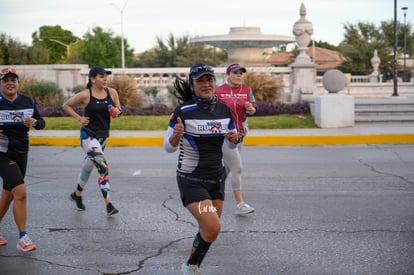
pixel 167 145
pixel 40 124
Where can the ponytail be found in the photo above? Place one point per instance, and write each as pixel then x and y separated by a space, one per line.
pixel 89 84
pixel 182 90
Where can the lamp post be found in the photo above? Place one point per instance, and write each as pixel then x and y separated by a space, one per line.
pixel 395 92
pixel 54 40
pixel 121 11
pixel 405 40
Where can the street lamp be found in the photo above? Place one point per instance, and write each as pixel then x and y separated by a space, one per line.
pixel 54 40
pixel 122 31
pixel 395 91
pixel 405 38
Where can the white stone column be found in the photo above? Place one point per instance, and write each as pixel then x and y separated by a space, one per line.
pixel 303 76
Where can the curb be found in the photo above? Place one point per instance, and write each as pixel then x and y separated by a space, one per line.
pixel 285 140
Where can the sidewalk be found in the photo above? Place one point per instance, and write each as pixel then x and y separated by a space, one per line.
pixel 360 134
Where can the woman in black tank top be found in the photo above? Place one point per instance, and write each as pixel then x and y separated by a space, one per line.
pixel 95 125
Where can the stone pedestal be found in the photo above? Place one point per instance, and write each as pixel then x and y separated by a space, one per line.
pixel 334 111
pixel 302 82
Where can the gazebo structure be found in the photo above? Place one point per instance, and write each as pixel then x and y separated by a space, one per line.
pixel 245 45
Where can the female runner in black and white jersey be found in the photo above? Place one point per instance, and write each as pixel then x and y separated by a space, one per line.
pixel 198 127
pixel 18 113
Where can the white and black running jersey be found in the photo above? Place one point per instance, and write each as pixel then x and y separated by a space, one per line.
pixel 201 145
pixel 12 114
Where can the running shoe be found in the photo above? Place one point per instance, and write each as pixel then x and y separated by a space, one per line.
pixel 3 240
pixel 243 209
pixel 78 201
pixel 25 244
pixel 190 269
pixel 111 210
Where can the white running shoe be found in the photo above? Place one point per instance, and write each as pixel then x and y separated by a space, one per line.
pixel 190 269
pixel 25 244
pixel 243 209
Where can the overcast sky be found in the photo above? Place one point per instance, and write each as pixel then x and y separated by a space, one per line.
pixel 144 20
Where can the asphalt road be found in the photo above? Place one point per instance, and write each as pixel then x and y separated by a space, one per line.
pixel 319 210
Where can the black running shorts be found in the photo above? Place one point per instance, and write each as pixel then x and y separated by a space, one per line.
pixel 193 190
pixel 12 169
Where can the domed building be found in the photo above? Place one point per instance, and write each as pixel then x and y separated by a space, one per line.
pixel 245 45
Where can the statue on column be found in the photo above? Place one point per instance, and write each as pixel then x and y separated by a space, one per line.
pixel 303 76
pixel 303 29
pixel 375 62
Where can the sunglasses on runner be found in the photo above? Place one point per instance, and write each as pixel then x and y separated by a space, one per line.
pixel 7 71
pixel 199 70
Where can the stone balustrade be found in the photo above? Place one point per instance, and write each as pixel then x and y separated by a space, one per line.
pixel 69 75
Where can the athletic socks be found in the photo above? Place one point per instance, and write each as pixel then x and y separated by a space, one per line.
pixel 80 189
pixel 198 251
pixel 22 234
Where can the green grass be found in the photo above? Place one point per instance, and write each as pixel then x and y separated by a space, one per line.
pixel 161 122
pixel 281 122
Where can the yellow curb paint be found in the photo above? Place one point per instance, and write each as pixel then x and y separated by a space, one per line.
pixel 55 141
pixel 136 141
pixel 112 141
pixel 329 140
pixel 249 140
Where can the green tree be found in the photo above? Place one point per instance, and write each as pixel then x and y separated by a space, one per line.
pixel 38 54
pixel 104 48
pixel 362 39
pixel 178 52
pixel 56 40
pixel 388 32
pixel 73 53
pixel 325 45
pixel 12 51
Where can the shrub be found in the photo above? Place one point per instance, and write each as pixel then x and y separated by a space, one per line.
pixel 174 101
pixel 56 110
pixel 155 109
pixel 45 93
pixel 24 80
pixel 127 89
pixel 279 108
pixel 151 110
pixel 78 88
pixel 263 109
pixel 152 93
pixel 265 87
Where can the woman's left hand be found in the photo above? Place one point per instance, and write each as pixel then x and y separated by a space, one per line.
pixel 117 112
pixel 249 108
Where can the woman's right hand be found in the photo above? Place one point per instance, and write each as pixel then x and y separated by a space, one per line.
pixel 178 128
pixel 84 120
pixel 178 132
